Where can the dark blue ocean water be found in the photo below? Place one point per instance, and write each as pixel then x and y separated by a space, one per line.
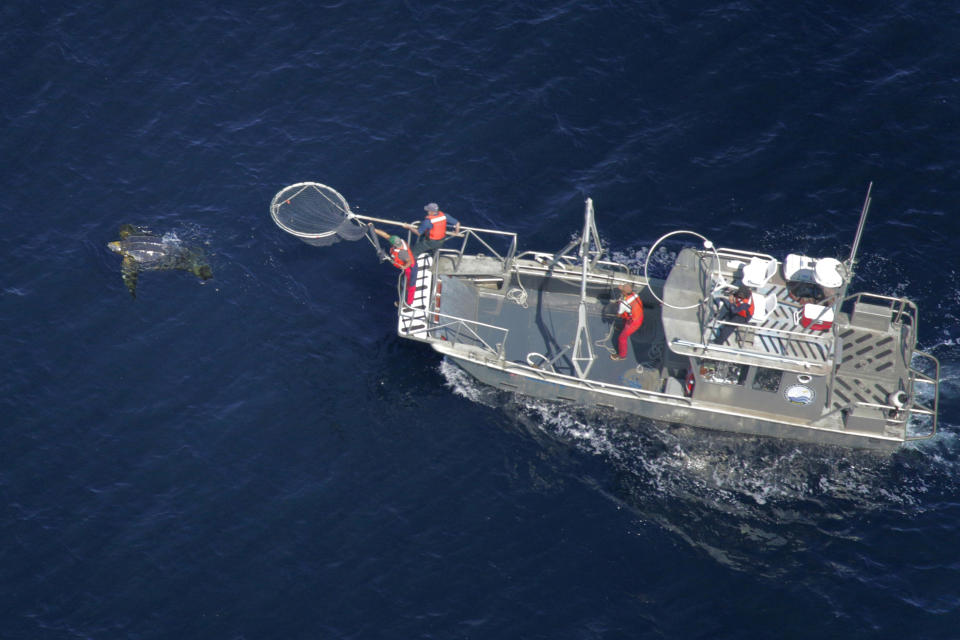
pixel 259 456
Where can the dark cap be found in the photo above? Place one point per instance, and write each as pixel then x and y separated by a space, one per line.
pixel 433 206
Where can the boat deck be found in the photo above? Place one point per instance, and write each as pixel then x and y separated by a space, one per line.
pixel 528 326
pixel 556 315
pixel 780 333
pixel 871 367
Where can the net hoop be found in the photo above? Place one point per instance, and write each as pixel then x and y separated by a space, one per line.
pixel 706 245
pixel 316 213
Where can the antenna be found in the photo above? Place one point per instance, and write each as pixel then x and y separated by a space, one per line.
pixel 853 250
pixel 856 238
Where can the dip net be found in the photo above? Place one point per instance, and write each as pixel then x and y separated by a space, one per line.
pixel 315 213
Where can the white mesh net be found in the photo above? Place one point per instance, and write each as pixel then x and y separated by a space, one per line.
pixel 315 213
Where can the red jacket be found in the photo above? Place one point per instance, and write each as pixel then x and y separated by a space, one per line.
pixel 743 307
pixel 631 309
pixel 401 255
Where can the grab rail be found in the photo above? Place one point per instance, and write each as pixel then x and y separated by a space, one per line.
pixel 788 337
pixel 780 359
pixel 899 307
pixel 919 376
pixel 726 252
pixel 478 234
pixel 568 262
pixel 777 332
pixel 467 325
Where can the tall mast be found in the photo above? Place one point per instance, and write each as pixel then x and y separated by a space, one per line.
pixel 583 355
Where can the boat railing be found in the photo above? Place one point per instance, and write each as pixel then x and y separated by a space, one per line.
pixel 452 329
pixel 774 359
pixel 555 377
pixel 739 254
pixel 918 376
pixel 901 415
pixel 779 336
pixel 901 309
pixel 570 265
pixel 472 236
pixel 759 329
pixel 457 330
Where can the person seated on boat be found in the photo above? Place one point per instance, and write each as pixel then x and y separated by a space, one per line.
pixel 402 258
pixel 631 312
pixel 433 230
pixel 737 308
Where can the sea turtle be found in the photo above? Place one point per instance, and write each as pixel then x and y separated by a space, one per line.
pixel 143 250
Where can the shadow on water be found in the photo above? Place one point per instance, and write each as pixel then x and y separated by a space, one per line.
pixel 753 504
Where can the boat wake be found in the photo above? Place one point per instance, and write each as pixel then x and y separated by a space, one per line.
pixel 748 502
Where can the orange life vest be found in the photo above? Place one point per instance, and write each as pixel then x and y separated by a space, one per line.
pixel 439 229
pixel 631 309
pixel 399 262
pixel 743 311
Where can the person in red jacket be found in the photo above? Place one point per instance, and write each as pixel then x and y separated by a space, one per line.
pixel 402 258
pixel 631 311
pixel 737 309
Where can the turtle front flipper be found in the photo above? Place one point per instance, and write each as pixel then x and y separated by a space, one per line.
pixel 129 270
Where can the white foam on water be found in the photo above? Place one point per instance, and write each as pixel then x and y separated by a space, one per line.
pixel 171 237
pixel 949 381
pixel 685 460
pixel 635 259
pixel 738 498
pixel 463 385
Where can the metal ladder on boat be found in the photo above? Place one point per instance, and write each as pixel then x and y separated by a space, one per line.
pixel 412 319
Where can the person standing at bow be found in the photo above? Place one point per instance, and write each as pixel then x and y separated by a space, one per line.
pixel 631 312
pixel 433 230
pixel 402 258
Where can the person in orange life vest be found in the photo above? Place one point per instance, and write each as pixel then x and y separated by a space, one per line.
pixel 631 311
pixel 738 309
pixel 433 229
pixel 402 258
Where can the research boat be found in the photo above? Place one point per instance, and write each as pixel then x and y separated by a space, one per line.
pixel 814 363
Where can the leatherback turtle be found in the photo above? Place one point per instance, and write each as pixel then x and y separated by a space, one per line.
pixel 144 250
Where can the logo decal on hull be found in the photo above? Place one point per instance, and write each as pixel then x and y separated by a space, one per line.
pixel 799 394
